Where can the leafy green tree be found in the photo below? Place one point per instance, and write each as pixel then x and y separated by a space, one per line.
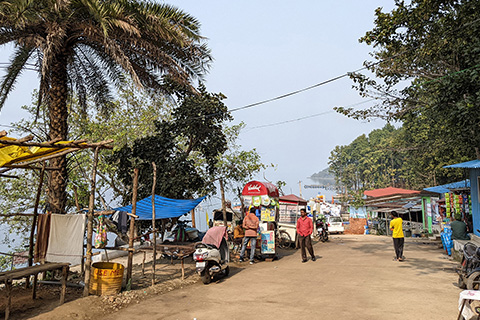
pixel 427 64
pixel 185 149
pixel 87 47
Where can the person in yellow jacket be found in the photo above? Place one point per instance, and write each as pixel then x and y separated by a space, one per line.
pixel 396 225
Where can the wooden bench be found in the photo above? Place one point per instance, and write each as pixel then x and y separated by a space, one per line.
pixel 8 276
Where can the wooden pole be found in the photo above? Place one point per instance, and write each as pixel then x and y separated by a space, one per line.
pixel 224 208
pixel 132 229
pixel 35 215
pixel 192 212
pixel 154 230
pixel 91 205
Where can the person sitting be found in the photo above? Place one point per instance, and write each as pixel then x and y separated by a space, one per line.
pixel 459 229
pixel 238 235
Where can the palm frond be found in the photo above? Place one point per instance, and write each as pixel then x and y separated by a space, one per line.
pixel 17 64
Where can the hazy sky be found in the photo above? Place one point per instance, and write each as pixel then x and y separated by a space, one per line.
pixel 264 49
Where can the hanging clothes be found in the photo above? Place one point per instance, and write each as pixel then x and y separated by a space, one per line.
pixel 120 218
pixel 43 232
pixel 65 243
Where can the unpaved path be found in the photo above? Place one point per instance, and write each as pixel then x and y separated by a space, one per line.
pixel 354 277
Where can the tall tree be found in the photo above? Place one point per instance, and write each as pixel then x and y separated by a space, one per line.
pixel 427 65
pixel 88 47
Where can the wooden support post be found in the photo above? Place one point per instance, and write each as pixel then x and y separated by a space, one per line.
pixel 193 218
pixel 183 270
pixel 91 205
pixel 143 263
pixel 8 289
pixel 34 286
pixel 224 208
pixel 64 283
pixel 35 215
pixel 154 227
pixel 132 229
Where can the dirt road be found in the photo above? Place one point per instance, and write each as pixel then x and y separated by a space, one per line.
pixel 354 277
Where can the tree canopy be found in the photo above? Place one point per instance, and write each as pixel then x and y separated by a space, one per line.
pixel 426 69
pixel 88 47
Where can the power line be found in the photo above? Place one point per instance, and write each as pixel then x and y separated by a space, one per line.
pixel 307 117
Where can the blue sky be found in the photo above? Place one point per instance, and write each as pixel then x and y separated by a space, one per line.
pixel 264 49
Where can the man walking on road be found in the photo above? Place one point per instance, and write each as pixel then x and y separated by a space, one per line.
pixel 396 225
pixel 304 230
pixel 250 224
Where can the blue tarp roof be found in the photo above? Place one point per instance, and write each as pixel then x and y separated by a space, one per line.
pixel 445 188
pixel 474 164
pixel 164 207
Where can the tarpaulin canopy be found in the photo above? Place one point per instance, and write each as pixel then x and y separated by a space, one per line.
pixel 164 207
pixel 12 154
pixel 474 164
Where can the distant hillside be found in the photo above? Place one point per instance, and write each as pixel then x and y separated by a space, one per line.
pixel 324 178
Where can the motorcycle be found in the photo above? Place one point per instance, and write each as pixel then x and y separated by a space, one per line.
pixel 469 272
pixel 212 255
pixel 322 230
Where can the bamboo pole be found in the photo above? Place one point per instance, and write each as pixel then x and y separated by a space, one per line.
pixel 91 205
pixel 224 208
pixel 35 215
pixel 132 229
pixel 154 230
pixel 74 144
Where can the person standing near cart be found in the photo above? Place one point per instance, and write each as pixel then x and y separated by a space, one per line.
pixel 396 225
pixel 304 230
pixel 250 224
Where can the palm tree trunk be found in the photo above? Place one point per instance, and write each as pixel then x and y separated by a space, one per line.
pixel 58 113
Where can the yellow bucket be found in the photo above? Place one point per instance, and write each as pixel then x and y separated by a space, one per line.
pixel 106 278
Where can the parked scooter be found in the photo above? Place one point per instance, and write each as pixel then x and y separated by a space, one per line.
pixel 469 272
pixel 212 255
pixel 322 230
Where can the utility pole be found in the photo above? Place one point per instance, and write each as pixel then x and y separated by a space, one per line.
pixel 300 186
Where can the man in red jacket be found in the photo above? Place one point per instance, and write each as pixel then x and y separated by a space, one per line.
pixel 304 230
pixel 250 224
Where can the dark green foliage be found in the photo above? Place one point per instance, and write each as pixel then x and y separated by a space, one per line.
pixel 185 150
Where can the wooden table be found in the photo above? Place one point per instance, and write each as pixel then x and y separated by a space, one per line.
pixel 8 276
pixel 181 251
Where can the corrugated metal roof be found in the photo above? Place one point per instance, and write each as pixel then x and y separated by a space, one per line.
pixel 445 188
pixel 474 164
pixel 388 192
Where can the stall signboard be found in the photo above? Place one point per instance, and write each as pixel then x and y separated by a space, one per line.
pixel 268 214
pixel 257 188
pixel 268 242
pixel 289 214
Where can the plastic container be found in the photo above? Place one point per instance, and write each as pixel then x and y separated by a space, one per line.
pixel 106 278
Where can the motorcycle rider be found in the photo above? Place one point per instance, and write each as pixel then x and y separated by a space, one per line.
pixel 250 224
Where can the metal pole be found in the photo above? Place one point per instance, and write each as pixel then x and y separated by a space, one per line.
pixel 224 208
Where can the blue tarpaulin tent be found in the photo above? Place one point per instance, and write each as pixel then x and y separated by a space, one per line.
pixel 164 207
pixel 446 188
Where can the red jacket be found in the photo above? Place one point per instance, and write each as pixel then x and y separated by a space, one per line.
pixel 304 226
pixel 250 224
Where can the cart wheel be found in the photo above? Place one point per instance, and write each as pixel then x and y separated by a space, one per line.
pixel 285 240
pixel 461 284
pixel 473 281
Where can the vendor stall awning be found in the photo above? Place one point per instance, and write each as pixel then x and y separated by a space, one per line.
pixel 164 207
pixel 390 191
pixel 474 164
pixel 291 198
pixel 257 188
pixel 446 188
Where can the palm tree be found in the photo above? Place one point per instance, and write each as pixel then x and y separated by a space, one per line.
pixel 88 47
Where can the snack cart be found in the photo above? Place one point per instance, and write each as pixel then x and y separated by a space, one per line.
pixel 264 197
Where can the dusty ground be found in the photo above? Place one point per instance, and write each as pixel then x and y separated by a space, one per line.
pixel 353 277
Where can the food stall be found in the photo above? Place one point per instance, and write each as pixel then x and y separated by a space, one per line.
pixel 264 197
